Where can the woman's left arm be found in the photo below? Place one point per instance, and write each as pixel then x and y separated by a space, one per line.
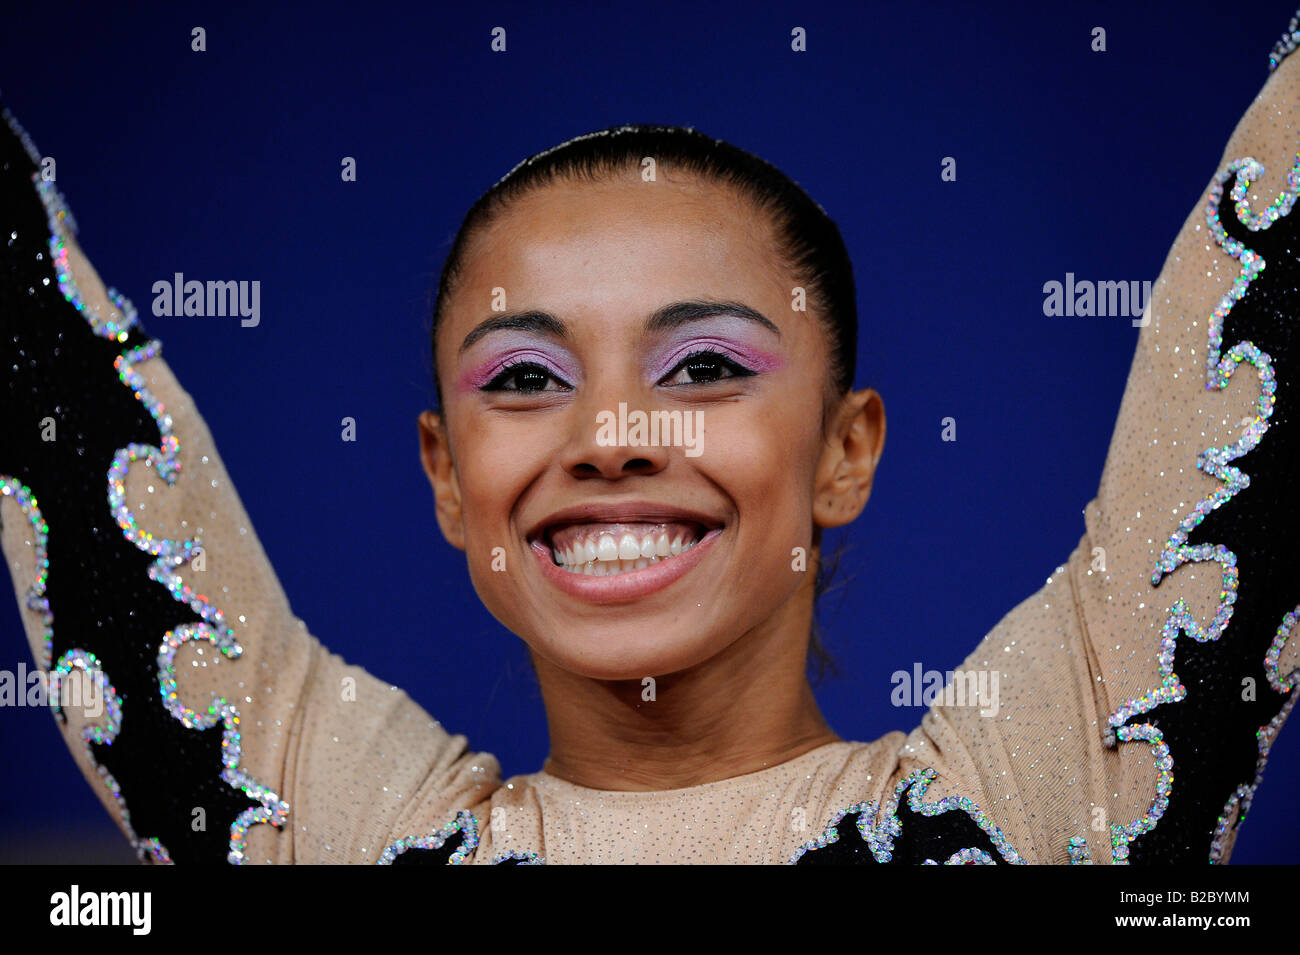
pixel 1124 713
pixel 1142 687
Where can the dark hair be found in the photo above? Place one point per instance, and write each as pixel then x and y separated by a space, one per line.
pixel 807 237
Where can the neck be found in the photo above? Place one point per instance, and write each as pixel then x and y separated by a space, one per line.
pixel 743 710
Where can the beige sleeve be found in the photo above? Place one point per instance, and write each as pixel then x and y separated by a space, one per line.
pixel 272 736
pixel 1195 667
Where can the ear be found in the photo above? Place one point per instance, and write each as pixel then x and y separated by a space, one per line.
pixel 855 439
pixel 435 453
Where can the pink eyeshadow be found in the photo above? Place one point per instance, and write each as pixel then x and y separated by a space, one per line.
pixel 480 374
pixel 755 359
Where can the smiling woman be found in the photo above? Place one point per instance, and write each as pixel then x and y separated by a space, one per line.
pixel 661 569
pixel 710 288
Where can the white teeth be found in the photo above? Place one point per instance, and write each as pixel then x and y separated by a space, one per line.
pixel 608 555
pixel 609 568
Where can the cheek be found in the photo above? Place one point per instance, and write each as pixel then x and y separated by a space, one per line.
pixel 765 467
pixel 495 463
pixel 764 455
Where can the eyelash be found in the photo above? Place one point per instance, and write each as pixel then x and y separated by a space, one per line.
pixel 511 370
pixel 736 369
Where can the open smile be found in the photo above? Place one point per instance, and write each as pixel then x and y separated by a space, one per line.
pixel 600 550
pixel 620 554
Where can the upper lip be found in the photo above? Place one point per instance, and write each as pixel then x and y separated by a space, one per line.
pixel 627 512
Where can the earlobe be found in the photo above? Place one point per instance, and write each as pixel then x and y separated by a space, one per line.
pixel 849 459
pixel 435 454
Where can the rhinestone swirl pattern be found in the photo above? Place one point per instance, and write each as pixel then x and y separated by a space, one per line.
pixel 1289 40
pixel 36 599
pixel 465 822
pixel 1214 461
pixel 879 828
pixel 171 555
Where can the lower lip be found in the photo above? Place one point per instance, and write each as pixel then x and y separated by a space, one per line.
pixel 632 585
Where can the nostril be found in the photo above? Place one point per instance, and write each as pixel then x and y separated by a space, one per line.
pixel 610 470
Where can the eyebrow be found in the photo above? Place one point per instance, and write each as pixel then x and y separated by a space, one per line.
pixel 663 319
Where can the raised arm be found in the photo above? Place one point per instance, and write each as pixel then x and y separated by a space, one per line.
pixel 1197 510
pixel 212 725
pixel 1151 675
pixel 1138 692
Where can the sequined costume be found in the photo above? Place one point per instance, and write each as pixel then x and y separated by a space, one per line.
pixel 1123 733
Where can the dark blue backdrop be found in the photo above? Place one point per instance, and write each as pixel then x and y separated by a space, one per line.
pixel 225 164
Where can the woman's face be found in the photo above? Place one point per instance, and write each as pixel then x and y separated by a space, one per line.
pixel 584 311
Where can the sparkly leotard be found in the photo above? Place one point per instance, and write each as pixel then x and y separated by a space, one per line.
pixel 1129 662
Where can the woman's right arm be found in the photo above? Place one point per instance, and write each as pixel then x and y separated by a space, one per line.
pixel 210 722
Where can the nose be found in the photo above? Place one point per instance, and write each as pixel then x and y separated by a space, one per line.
pixel 605 442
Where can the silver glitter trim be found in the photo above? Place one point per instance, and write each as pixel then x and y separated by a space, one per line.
pixel 1214 461
pixel 171 554
pixel 968 856
pixel 1238 804
pixel 464 822
pixel 879 828
pixel 1079 852
pixel 36 599
pixel 1287 44
pixel 527 858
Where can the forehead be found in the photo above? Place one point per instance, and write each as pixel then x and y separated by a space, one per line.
pixel 623 243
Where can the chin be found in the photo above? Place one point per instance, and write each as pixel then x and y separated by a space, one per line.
pixel 623 652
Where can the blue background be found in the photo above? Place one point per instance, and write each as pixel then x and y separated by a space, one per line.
pixel 225 164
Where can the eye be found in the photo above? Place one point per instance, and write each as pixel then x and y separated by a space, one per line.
pixel 703 367
pixel 526 376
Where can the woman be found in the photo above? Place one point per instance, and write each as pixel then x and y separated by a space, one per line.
pixel 644 343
